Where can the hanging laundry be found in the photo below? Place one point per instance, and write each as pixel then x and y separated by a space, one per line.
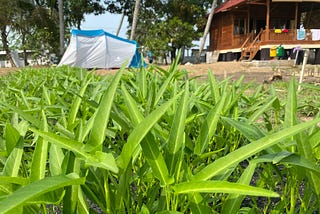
pixel 301 34
pixel 277 31
pixel 315 34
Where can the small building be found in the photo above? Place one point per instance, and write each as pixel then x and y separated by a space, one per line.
pixel 263 29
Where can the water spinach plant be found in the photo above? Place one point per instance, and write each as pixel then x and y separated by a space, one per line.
pixel 151 140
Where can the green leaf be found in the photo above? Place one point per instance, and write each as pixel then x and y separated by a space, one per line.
pixel 101 118
pixel 251 132
pixel 140 131
pixel 177 134
pixel 261 109
pixel 12 137
pixel 221 187
pixel 13 162
pixel 148 144
pixel 210 124
pixel 37 188
pixel 39 160
pixel 55 160
pixel 76 103
pixel 214 87
pixel 98 159
pixel 14 180
pixel 222 164
pixel 163 87
pixel 233 201
pixel 25 115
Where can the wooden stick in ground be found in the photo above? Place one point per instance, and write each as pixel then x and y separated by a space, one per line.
pixel 305 59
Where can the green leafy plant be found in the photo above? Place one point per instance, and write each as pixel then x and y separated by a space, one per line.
pixel 152 140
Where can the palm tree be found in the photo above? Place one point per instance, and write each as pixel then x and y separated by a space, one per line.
pixel 135 19
pixel 61 26
pixel 206 31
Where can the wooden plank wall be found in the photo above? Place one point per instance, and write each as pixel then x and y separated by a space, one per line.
pixel 221 34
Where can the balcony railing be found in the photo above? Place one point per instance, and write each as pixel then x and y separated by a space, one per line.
pixel 288 36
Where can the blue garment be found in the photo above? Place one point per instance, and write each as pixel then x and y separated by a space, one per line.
pixel 301 34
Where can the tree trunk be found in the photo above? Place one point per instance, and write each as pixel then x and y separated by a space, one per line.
pixel 61 26
pixel 120 24
pixel 135 19
pixel 4 40
pixel 206 31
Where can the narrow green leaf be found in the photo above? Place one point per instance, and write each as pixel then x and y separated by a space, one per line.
pixel 251 132
pixel 76 103
pixel 177 135
pixel 149 145
pixel 38 188
pixel 210 124
pixel 163 87
pixel 14 180
pixel 140 131
pixel 233 201
pixel 40 154
pixel 98 159
pixel 142 83
pixel 25 115
pixel 55 160
pixel 13 162
pixel 290 117
pixel 11 136
pixel 221 187
pixel 222 164
pixel 101 119
pixel 156 161
pixel 214 87
pixel 261 109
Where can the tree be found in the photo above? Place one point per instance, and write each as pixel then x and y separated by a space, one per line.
pixel 206 31
pixel 8 11
pixel 76 9
pixel 61 26
pixel 135 19
pixel 180 21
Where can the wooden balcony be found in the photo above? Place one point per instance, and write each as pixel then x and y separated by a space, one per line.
pixel 289 37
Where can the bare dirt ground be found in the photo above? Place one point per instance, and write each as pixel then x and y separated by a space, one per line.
pixel 233 70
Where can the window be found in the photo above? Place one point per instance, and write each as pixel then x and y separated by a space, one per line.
pixel 239 26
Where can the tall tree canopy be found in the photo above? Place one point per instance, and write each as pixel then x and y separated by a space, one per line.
pixel 165 25
pixel 35 22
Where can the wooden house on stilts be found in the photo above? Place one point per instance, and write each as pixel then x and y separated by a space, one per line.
pixel 252 29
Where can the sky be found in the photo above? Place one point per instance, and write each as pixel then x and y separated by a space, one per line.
pixel 110 22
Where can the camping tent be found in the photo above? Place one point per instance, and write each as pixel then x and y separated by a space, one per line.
pixel 100 49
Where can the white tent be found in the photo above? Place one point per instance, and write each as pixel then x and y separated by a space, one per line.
pixel 100 49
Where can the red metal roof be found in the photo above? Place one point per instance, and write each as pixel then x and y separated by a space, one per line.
pixel 228 4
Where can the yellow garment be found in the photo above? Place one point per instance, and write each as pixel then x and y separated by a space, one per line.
pixel 278 31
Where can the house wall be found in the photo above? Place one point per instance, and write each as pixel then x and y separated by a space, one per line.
pixel 221 33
